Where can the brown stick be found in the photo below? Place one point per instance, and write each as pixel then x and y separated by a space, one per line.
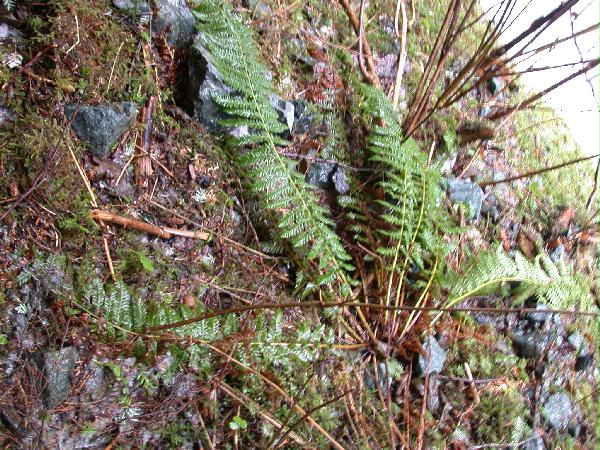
pixel 371 77
pixel 143 168
pixel 318 304
pixel 536 172
pixel 163 232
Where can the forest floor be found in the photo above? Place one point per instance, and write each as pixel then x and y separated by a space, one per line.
pixel 123 208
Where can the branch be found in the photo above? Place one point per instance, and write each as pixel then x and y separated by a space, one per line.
pixel 163 232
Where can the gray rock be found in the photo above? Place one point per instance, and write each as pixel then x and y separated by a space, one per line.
pixel 495 84
pixel 175 19
pixel 100 126
pixel 136 7
pixel 490 211
pixel 259 9
pixel 576 341
pixel 6 115
pixel 558 253
pixel 531 345
pixel 582 362
pixel 304 119
pixel 328 176
pixel 558 410
pixel 10 35
pixel 461 191
pixel 536 443
pixel 204 81
pixel 285 110
pixel 539 317
pixel 433 396
pixel 58 369
pixel 434 359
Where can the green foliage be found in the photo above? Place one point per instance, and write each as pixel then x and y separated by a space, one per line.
pixel 302 221
pixel 412 205
pixel 554 285
pixel 237 423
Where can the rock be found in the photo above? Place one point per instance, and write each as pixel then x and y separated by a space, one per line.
pixel 558 253
pixel 495 84
pixel 6 115
pixel 576 341
pixel 434 359
pixel 461 191
pixel 10 35
pixel 175 19
pixel 259 9
pixel 536 443
pixel 485 111
pixel 304 118
pixel 135 7
pixel 204 81
pixel 582 362
pixel 100 126
pixel 539 317
pixel 285 110
pixel 328 176
pixel 491 212
pixel 558 410
pixel 58 369
pixel 531 345
pixel 433 396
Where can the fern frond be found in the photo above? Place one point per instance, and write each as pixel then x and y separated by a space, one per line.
pixel 274 177
pixel 411 210
pixel 554 285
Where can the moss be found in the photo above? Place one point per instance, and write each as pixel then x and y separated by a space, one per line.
pixel 495 418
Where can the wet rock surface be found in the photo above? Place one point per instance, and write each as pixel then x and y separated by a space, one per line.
pixel 434 358
pixel 57 368
pixel 328 176
pixel 175 19
pixel 100 126
pixel 558 410
pixel 462 191
pixel 137 7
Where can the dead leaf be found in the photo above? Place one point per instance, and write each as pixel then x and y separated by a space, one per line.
pixel 525 245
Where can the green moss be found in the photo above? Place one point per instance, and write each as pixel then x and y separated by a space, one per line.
pixel 498 416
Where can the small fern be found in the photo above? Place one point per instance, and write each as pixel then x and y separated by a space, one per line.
pixel 303 222
pixel 554 285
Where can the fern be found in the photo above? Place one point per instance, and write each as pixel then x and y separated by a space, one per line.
pixel 413 195
pixel 554 285
pixel 9 4
pixel 303 222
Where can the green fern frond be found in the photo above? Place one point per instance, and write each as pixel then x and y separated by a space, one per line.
pixel 411 209
pixel 554 285
pixel 274 177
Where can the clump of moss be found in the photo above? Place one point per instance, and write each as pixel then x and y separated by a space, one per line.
pixel 500 417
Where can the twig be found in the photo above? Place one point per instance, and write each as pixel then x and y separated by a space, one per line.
pixel 78 40
pixel 371 75
pixel 163 232
pixel 112 69
pixel 350 304
pixel 402 55
pixel 588 204
pixel 143 168
pixel 472 387
pixel 536 172
pixel 94 204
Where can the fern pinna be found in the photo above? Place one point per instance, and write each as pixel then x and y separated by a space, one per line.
pixel 303 222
